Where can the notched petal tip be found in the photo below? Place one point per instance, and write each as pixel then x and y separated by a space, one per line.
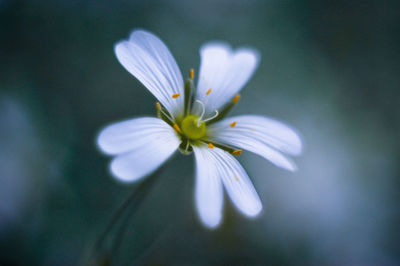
pixel 126 176
pixel 123 178
pixel 216 45
pixel 253 212
pixel 264 136
pixel 225 70
pixel 293 168
pixel 281 161
pixel 219 164
pixel 251 53
pixel 147 58
pixel 299 142
pixel 141 145
pixel 211 224
pixel 103 140
pixel 140 31
pixel 121 50
pixel 138 34
pixel 135 34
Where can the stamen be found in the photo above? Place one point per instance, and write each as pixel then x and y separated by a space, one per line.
pixel 212 117
pixel 237 152
pixel 236 98
pixel 233 124
pixel 188 95
pixel 167 116
pixel 164 114
pixel 221 146
pixel 210 145
pixel 177 128
pixel 225 110
pixel 176 95
pixel 237 178
pixel 209 91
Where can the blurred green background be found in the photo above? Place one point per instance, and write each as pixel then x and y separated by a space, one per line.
pixel 328 68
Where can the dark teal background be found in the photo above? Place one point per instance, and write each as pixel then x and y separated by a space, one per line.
pixel 328 68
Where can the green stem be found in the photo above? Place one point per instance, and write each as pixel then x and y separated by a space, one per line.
pixel 134 200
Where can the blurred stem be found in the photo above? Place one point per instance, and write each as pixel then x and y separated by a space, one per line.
pixel 133 201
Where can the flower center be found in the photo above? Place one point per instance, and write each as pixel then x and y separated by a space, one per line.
pixel 192 129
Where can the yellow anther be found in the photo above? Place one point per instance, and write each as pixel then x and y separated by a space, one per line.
pixel 210 145
pixel 233 124
pixel 209 91
pixel 236 98
pixel 237 178
pixel 158 106
pixel 191 73
pixel 176 95
pixel 177 128
pixel 237 152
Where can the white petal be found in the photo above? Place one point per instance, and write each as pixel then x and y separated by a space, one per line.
pixel 127 135
pixel 261 135
pixel 208 191
pixel 142 145
pixel 224 71
pixel 221 164
pixel 147 58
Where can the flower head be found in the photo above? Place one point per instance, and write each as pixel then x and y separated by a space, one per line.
pixel 192 119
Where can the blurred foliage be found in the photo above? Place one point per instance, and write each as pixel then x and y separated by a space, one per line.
pixel 328 68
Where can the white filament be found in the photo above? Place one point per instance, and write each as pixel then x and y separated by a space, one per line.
pixel 212 117
pixel 203 110
pixel 167 116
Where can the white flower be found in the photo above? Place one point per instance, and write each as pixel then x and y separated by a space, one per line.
pixel 192 120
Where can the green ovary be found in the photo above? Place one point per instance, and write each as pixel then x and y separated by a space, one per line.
pixel 190 128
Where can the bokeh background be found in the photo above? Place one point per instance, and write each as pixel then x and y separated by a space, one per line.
pixel 329 68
